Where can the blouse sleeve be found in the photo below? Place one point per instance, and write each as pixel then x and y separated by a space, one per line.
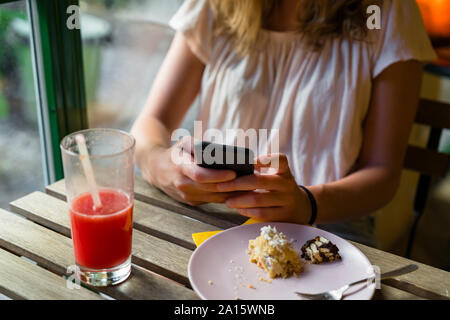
pixel 195 20
pixel 402 36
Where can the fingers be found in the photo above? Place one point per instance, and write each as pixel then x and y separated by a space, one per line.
pixel 190 191
pixel 275 180
pixel 182 156
pixel 253 182
pixel 210 197
pixel 276 161
pixel 256 200
pixel 195 203
pixel 204 175
pixel 186 184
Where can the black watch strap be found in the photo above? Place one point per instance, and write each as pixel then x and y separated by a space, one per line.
pixel 312 200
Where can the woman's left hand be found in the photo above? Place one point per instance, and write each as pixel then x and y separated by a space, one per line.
pixel 270 196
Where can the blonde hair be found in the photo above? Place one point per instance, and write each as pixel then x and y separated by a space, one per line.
pixel 317 20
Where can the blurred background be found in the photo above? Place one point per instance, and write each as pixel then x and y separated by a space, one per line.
pixel 124 43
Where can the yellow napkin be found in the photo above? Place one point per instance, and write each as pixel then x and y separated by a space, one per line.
pixel 203 236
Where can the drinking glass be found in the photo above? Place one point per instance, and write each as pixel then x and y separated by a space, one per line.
pixel 101 236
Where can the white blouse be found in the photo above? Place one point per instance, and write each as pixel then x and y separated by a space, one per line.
pixel 316 100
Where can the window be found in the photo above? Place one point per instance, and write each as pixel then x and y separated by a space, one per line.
pixel 124 43
pixel 21 160
pixel 55 81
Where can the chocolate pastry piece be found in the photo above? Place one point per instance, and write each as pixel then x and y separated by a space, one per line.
pixel 320 250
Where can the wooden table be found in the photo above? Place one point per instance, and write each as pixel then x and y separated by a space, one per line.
pixel 38 228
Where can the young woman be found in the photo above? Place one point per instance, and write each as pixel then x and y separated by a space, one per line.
pixel 342 97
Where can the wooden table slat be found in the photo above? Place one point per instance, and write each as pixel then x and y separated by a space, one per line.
pixel 147 218
pixel 54 252
pixel 148 251
pixel 167 225
pixel 22 279
pixel 390 293
pixel 213 214
pixel 427 282
pixel 25 238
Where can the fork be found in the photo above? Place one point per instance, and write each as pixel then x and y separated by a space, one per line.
pixel 338 293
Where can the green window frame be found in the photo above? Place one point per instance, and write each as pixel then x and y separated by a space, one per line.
pixel 59 78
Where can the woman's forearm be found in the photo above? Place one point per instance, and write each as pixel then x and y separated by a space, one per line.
pixel 150 134
pixel 174 89
pixel 356 195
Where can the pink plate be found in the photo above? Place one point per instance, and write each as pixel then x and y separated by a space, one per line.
pixel 220 267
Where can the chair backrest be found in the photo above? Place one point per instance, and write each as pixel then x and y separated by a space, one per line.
pixel 428 161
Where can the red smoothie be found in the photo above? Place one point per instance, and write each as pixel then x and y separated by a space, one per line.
pixel 102 236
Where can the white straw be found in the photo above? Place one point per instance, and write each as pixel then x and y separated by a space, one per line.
pixel 87 167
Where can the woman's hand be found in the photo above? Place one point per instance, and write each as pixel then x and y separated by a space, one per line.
pixel 270 196
pixel 174 171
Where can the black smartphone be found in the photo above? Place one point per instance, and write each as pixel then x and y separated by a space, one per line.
pixel 224 157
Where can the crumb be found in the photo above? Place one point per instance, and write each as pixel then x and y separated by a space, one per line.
pixel 265 280
pixel 231 261
pixel 250 286
pixel 210 282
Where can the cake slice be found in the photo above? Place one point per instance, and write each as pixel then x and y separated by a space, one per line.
pixel 319 250
pixel 272 252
